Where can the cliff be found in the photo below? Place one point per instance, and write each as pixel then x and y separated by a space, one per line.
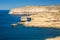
pixel 41 16
pixel 34 9
pixel 43 20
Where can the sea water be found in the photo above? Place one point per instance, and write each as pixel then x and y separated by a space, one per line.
pixel 7 32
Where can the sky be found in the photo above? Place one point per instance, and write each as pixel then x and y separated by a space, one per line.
pixel 9 4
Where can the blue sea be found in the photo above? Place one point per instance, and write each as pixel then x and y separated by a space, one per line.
pixel 7 32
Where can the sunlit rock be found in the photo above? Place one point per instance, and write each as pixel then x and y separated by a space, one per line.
pixel 14 25
pixel 40 16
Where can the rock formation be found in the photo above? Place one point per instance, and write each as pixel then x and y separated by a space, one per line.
pixel 41 16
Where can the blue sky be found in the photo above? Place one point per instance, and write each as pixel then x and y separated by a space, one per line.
pixel 9 4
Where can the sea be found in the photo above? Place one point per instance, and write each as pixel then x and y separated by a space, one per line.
pixel 7 32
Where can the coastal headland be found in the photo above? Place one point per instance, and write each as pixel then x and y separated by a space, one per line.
pixel 40 16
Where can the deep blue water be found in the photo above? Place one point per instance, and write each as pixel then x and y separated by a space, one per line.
pixel 7 32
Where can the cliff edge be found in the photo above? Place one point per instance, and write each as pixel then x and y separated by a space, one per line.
pixel 40 16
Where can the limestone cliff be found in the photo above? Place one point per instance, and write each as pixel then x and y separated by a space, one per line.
pixel 41 16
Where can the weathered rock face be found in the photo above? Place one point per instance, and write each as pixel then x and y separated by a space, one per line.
pixel 34 9
pixel 42 20
pixel 41 16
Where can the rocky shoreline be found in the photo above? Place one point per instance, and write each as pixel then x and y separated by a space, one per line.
pixel 41 16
